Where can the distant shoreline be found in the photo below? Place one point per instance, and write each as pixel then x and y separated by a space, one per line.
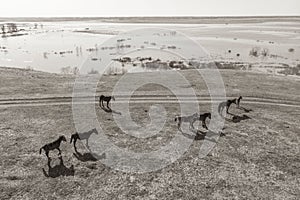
pixel 171 20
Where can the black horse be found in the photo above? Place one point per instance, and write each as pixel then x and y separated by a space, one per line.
pixel 203 117
pixel 107 99
pixel 52 146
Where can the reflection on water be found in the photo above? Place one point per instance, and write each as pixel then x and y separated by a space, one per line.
pixel 65 46
pixel 48 50
pixel 58 47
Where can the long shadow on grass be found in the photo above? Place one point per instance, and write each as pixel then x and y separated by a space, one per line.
pixel 201 135
pixel 59 170
pixel 88 156
pixel 109 110
pixel 237 118
pixel 245 109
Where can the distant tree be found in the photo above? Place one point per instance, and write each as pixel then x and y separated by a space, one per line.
pixel 265 52
pixel 3 29
pixel 93 71
pixel 9 28
pixel 75 70
pixel 254 52
pixel 291 50
pixel 65 70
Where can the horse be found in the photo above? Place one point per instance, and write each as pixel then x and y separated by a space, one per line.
pixel 82 136
pixel 226 104
pixel 52 146
pixel 191 119
pixel 202 118
pixel 107 99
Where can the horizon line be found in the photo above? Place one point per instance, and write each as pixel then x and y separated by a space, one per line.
pixel 167 16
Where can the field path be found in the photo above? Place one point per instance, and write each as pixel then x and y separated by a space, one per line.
pixel 5 103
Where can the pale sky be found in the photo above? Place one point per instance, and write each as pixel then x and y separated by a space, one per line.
pixel 72 8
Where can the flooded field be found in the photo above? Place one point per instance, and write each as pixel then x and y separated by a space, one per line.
pixel 60 46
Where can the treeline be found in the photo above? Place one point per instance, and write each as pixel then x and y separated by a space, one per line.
pixel 9 28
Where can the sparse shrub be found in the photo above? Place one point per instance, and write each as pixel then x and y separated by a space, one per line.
pixel 291 50
pixel 254 52
pixel 75 70
pixel 65 70
pixel 93 71
pixel 265 52
pixel 29 68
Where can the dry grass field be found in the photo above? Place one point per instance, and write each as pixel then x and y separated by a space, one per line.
pixel 257 158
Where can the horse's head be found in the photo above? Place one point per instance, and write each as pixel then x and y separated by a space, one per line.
pixel 209 115
pixel 62 138
pixel 95 131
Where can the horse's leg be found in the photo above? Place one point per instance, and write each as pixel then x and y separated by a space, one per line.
pixel 179 127
pixel 47 154
pixel 227 109
pixel 192 124
pixel 204 125
pixel 108 104
pixel 59 151
pixel 87 143
pixel 74 143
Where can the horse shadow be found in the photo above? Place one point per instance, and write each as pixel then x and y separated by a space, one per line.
pixel 109 110
pixel 88 156
pixel 58 170
pixel 245 109
pixel 201 135
pixel 237 118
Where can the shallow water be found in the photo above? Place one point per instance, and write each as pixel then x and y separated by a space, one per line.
pixel 58 45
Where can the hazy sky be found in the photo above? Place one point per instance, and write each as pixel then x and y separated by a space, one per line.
pixel 48 8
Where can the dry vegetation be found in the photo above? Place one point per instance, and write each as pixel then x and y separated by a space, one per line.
pixel 258 158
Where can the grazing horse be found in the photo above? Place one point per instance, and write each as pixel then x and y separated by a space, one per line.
pixel 107 99
pixel 202 118
pixel 191 119
pixel 52 146
pixel 226 104
pixel 82 136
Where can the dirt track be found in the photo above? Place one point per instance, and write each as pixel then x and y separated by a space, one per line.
pixel 141 99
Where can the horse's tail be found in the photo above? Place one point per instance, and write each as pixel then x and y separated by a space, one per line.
pixel 47 175
pixel 72 136
pixel 219 108
pixel 41 149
